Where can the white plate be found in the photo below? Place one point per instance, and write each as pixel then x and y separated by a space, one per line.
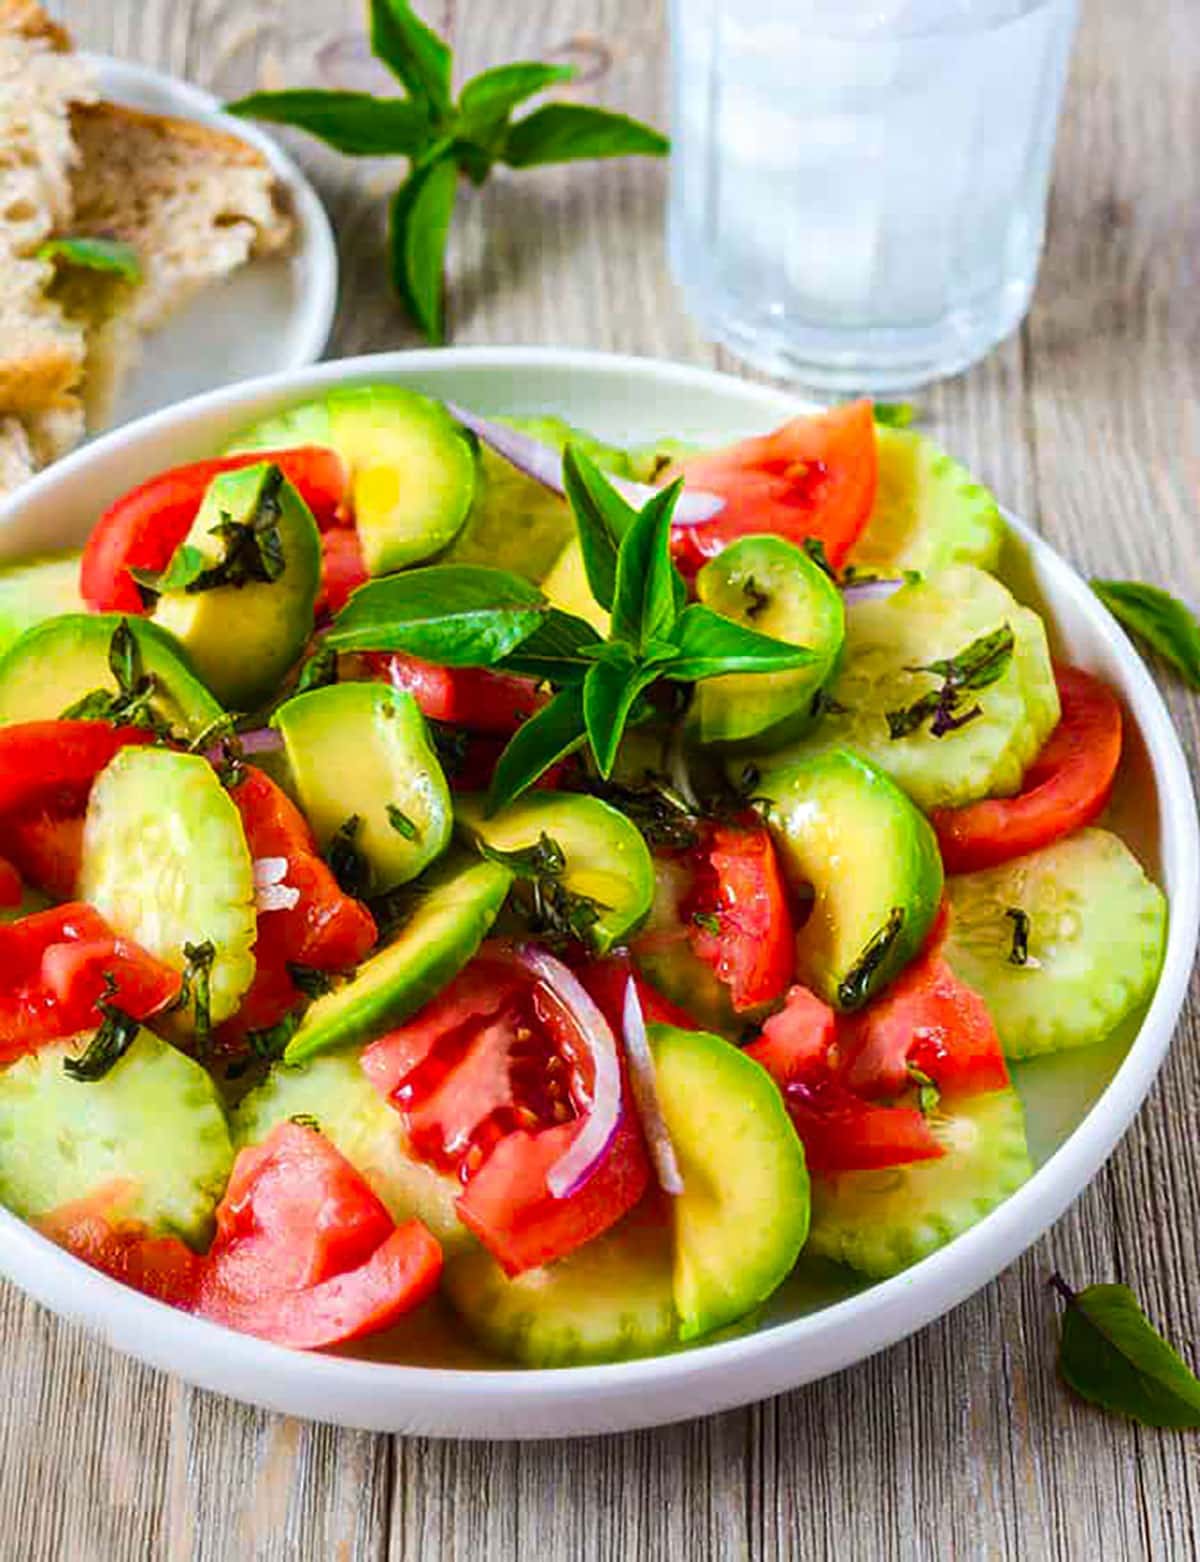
pixel 270 315
pixel 1077 1107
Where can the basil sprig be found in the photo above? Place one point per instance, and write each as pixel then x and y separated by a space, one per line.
pixel 443 139
pixel 94 253
pixel 1165 623
pixel 1113 1356
pixel 472 616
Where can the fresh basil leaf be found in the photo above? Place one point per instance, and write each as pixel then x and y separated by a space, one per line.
pixel 603 519
pixel 895 414
pixel 644 602
pixel 708 645
pixel 1112 1355
pixel 110 1042
pixel 112 256
pixel 459 615
pixel 186 564
pixel 1165 623
pixel 419 227
pixel 560 650
pixel 319 671
pixel 609 696
pixel 413 52
pixel 977 666
pixel 556 731
pixel 493 94
pixel 568 132
pixel 356 123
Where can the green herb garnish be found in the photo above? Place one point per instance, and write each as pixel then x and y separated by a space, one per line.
pixel 757 600
pixel 195 991
pixel 1113 1356
pixel 271 1042
pixel 346 862
pixel 131 705
pixel 708 920
pixel 319 671
pixel 401 823
pixel 112 256
pixel 444 139
pixel 112 1039
pixel 928 1094
pixel 541 897
pixel 253 550
pixel 815 548
pixel 305 1120
pixel 855 985
pixel 980 664
pixel 1165 623
pixel 311 982
pixel 659 813
pixel 1018 954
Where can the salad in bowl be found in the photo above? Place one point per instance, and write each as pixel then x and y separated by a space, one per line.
pixel 459 863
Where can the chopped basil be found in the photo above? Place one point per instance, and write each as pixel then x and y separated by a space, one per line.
pixel 757 600
pixel 305 1120
pixel 1018 954
pixel 928 1094
pixel 708 920
pixel 401 823
pixel 346 862
pixel 131 705
pixel 112 1040
pixel 320 670
pixel 815 548
pixel 658 811
pixel 540 896
pixel 854 986
pixel 981 663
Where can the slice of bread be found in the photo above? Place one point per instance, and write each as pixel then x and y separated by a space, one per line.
pixel 194 203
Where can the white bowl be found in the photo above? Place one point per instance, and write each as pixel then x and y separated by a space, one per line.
pixel 1077 1107
pixel 272 314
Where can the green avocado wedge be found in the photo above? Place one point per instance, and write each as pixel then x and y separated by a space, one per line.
pixel 459 902
pixel 395 788
pixel 412 469
pixel 255 530
pixel 605 857
pixel 56 664
pixel 849 836
pixel 743 1215
pixel 31 593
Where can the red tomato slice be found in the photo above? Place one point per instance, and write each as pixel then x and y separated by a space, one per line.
pixel 343 570
pixel 92 1229
pixel 305 1254
pixel 495 1082
pixel 143 528
pixel 814 477
pixel 11 888
pixel 929 1021
pixel 47 849
pixel 470 697
pixel 53 970
pixel 840 1131
pixel 43 761
pixel 737 914
pixel 1067 786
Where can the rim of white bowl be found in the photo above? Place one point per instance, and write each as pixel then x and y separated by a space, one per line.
pixel 917 1296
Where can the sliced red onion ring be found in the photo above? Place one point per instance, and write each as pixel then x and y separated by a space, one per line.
pixel 587 1149
pixel 644 1083
pixel 871 590
pixel 262 740
pixel 543 464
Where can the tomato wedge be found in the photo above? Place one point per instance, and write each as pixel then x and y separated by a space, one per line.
pixel 737 914
pixel 1067 786
pixel 92 1229
pixel 470 697
pixel 494 1080
pixel 305 1255
pixel 143 528
pixel 343 570
pixel 814 477
pixel 56 965
pixel 325 930
pixel 11 888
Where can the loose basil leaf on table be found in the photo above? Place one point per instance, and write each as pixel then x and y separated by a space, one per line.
pixel 1113 1356
pixel 413 52
pixel 568 132
pixel 356 123
pixel 422 209
pixel 1165 623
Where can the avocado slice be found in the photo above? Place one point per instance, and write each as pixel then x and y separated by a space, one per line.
pixel 772 586
pixel 869 856
pixel 568 588
pixel 254 529
pixel 395 787
pixel 743 1215
pixel 461 901
pixel 55 664
pixel 31 593
pixel 412 469
pixel 605 857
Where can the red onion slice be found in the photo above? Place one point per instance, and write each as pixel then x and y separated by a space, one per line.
pixel 588 1148
pixel 871 590
pixel 543 464
pixel 262 740
pixel 645 1093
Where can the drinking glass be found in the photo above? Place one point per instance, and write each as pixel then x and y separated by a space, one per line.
pixel 859 187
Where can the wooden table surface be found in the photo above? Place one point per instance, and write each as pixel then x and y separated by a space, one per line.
pixel 959 1442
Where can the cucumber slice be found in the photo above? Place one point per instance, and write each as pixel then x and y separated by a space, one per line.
pixel 461 900
pixel 871 859
pixel 166 863
pixel 607 859
pixel 515 523
pixel 772 586
pixel 31 593
pixel 880 1222
pixel 923 622
pixel 243 638
pixel 742 1217
pixel 412 469
pixel 607 1301
pixel 153 1122
pixel 355 1118
pixel 929 511
pixel 53 665
pixel 395 787
pixel 1095 938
